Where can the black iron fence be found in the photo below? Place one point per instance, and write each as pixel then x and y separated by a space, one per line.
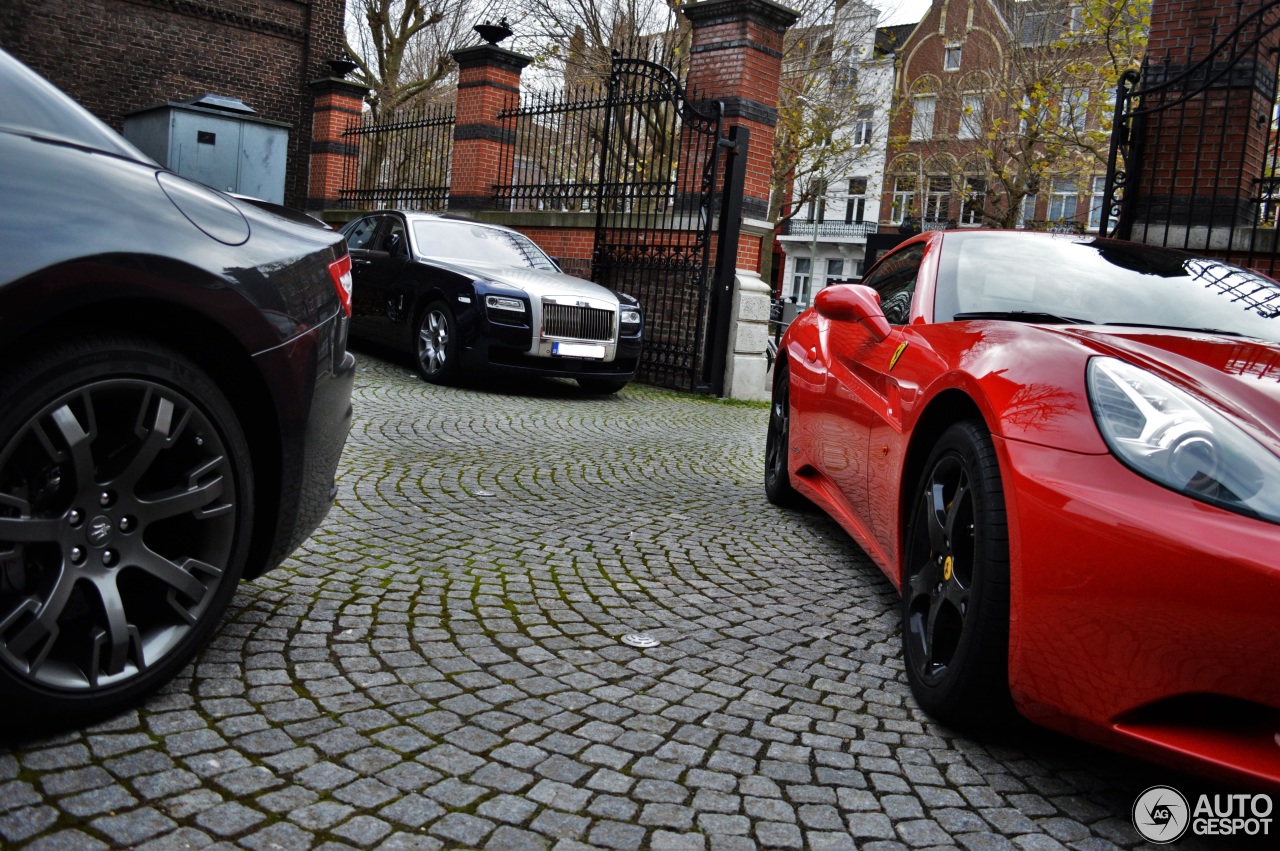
pixel 555 161
pixel 404 160
pixel 1193 161
pixel 656 200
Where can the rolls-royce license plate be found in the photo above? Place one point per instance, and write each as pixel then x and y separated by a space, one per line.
pixel 577 350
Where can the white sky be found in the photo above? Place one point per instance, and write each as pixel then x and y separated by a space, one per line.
pixel 901 11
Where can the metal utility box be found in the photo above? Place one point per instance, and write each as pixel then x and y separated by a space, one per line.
pixel 217 140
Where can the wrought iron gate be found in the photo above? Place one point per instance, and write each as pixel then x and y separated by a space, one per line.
pixel 1193 161
pixel 660 177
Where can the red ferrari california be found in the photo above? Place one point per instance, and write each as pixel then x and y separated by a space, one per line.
pixel 1065 453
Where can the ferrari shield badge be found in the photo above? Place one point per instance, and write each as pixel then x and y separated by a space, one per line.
pixel 893 361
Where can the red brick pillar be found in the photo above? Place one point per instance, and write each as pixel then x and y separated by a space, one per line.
pixel 736 58
pixel 338 105
pixel 488 82
pixel 1200 158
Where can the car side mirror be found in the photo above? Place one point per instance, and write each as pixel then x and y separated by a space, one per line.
pixel 395 245
pixel 853 303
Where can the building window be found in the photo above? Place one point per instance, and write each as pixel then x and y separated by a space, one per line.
pixel 937 201
pixel 835 271
pixel 1064 197
pixel 970 117
pixel 1036 28
pixel 951 58
pixel 1075 112
pixel 1075 19
pixel 975 200
pixel 818 199
pixel 862 126
pixel 1027 210
pixel 922 116
pixel 1095 201
pixel 904 199
pixel 845 76
pixel 800 280
pixel 855 205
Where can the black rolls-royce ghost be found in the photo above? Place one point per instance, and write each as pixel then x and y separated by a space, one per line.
pixel 465 297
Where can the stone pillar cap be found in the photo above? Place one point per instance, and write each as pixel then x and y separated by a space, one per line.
pixel 490 55
pixel 338 84
pixel 737 10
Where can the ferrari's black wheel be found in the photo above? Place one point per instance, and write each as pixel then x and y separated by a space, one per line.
pixel 601 385
pixel 126 505
pixel 437 344
pixel 955 594
pixel 777 448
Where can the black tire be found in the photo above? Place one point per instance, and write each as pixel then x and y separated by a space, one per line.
pixel 436 344
pixel 777 443
pixel 126 509
pixel 955 589
pixel 601 385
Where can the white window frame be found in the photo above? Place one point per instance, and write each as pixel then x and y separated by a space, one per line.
pixel 937 198
pixel 1027 209
pixel 855 199
pixel 1095 201
pixel 817 207
pixel 836 274
pixel 800 279
pixel 904 196
pixel 1064 199
pixel 864 125
pixel 924 108
pixel 951 57
pixel 971 116
pixel 1074 114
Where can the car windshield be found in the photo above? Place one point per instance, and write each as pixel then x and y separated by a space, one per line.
pixel 1101 282
pixel 449 240
pixel 32 105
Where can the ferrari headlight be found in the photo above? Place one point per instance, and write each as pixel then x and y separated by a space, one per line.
pixel 1171 437
pixel 498 302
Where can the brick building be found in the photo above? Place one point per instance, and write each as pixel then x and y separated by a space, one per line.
pixel 1002 114
pixel 117 57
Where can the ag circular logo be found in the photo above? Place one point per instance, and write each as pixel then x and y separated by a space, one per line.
pixel 1161 815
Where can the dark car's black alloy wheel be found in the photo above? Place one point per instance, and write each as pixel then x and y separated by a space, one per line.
pixel 124 517
pixel 777 444
pixel 955 608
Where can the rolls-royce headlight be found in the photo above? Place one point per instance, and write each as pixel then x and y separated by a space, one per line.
pixel 629 316
pixel 1174 439
pixel 498 302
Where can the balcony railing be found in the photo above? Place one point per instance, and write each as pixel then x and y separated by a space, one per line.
pixel 831 230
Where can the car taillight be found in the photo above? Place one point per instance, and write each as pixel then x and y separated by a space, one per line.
pixel 340 271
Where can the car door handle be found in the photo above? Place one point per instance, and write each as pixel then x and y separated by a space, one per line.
pixel 363 262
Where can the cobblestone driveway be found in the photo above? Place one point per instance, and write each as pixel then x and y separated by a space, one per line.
pixel 440 665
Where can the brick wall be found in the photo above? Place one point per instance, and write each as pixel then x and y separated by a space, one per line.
pixel 1203 153
pixel 118 56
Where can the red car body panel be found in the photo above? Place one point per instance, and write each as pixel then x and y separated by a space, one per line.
pixel 1140 618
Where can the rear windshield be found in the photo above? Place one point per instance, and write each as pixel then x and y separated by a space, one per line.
pixel 1102 281
pixel 31 104
pixel 449 240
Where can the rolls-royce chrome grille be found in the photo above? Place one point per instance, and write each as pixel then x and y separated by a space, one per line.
pixel 577 323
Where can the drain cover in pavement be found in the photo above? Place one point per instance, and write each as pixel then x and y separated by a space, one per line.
pixel 639 639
